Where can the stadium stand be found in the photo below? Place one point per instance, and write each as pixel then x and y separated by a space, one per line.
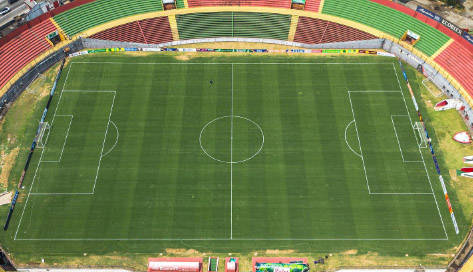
pixel 130 32
pixel 252 3
pixel 95 13
pixel 458 61
pixel 82 15
pixel 151 31
pixel 317 31
pixel 156 30
pixel 22 49
pixel 356 10
pixel 233 24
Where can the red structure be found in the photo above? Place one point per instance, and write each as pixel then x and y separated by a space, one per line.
pixel 229 267
pixel 22 49
pixel 458 61
pixel 317 31
pixel 175 265
pixel 275 260
pixel 152 31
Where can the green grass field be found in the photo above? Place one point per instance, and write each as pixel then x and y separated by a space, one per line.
pixel 310 154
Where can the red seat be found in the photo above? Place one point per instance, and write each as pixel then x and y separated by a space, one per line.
pixel 317 31
pixel 458 61
pixel 151 31
pixel 21 50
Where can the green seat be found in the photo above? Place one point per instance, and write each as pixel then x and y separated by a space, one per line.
pixel 87 16
pixel 233 24
pixel 387 20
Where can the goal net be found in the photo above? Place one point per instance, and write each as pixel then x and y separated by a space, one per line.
pixel 422 140
pixel 433 87
pixel 36 84
pixel 42 136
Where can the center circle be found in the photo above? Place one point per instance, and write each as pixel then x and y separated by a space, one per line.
pixel 231 139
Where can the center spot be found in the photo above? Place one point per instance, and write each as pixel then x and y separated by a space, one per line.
pixel 231 139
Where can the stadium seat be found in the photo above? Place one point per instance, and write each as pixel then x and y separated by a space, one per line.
pixel 316 31
pixel 20 51
pixel 233 24
pixel 458 61
pixel 430 41
pixel 151 31
pixel 84 17
pixel 252 3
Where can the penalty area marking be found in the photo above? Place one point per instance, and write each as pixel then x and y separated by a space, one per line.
pixel 361 150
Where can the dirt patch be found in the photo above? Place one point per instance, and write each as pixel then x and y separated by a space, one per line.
pixel 186 56
pixel 277 251
pixel 453 174
pixel 429 104
pixel 6 165
pixel 182 251
pixel 350 252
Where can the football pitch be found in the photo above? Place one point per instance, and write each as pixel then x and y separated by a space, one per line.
pixel 242 152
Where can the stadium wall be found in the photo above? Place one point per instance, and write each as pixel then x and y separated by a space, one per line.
pixel 369 44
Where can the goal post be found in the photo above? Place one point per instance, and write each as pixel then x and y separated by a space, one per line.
pixel 422 140
pixel 42 135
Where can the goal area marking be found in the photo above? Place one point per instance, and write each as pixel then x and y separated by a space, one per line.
pixel 216 239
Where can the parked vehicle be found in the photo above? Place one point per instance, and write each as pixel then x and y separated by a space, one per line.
pixel 4 10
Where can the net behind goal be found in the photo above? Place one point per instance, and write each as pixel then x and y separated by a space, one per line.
pixel 422 140
pixel 42 135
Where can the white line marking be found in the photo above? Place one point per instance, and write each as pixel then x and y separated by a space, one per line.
pixel 226 239
pixel 231 162
pixel 420 151
pixel 231 166
pixel 236 63
pixel 400 193
pixel 62 193
pixel 346 141
pixel 89 91
pixel 236 239
pixel 374 91
pixel 41 156
pixel 118 135
pixel 359 143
